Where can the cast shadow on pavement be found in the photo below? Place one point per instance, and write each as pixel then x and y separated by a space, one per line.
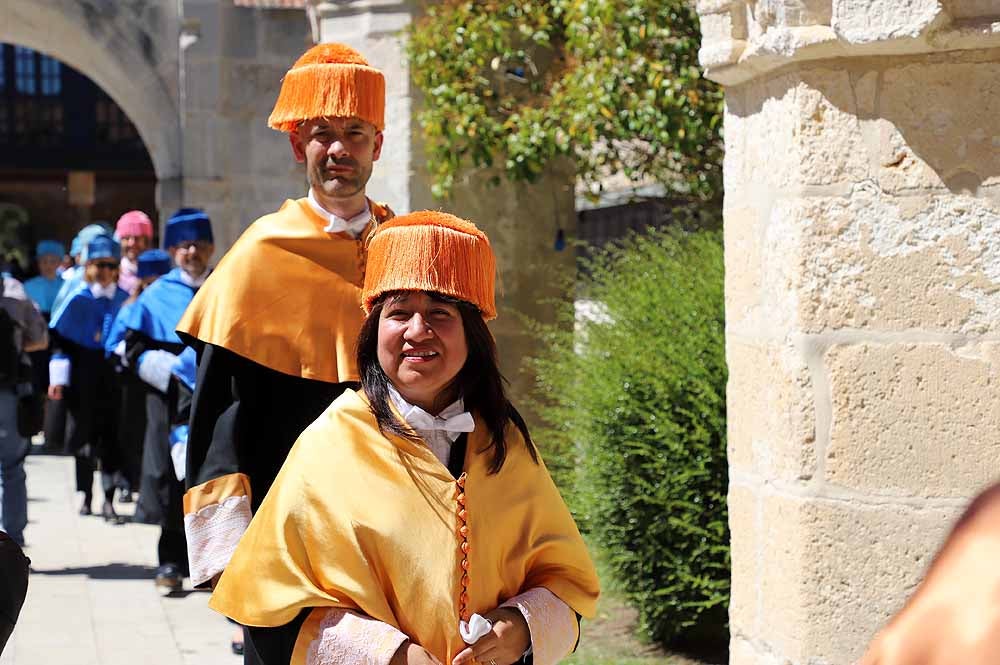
pixel 111 571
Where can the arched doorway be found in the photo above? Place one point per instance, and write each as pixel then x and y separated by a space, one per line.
pixel 130 52
pixel 69 154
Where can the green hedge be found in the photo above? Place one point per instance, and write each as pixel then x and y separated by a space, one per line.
pixel 634 408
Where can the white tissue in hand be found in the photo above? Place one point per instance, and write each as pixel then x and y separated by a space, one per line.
pixel 476 628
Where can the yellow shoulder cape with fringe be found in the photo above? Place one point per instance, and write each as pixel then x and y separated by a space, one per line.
pixel 287 295
pixel 368 522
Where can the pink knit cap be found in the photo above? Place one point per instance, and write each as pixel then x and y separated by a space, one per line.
pixel 134 223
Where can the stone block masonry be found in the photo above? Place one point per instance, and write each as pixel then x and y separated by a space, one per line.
pixel 862 230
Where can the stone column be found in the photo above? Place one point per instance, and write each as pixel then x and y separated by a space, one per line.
pixel 521 219
pixel 862 223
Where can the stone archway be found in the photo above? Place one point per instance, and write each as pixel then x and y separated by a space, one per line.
pixel 126 49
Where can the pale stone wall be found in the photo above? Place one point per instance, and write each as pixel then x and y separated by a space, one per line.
pixel 862 228
pixel 235 166
pixel 521 220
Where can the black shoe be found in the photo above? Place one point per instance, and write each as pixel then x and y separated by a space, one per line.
pixel 124 495
pixel 169 580
pixel 109 514
pixel 85 508
pixel 237 648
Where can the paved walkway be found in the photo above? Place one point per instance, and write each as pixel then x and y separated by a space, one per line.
pixel 91 599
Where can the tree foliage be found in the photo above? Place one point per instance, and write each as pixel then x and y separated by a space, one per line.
pixel 612 84
pixel 633 400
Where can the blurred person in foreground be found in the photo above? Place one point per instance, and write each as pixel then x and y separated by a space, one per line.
pixel 414 521
pixel 276 323
pixel 80 373
pixel 22 330
pixel 13 585
pixel 953 618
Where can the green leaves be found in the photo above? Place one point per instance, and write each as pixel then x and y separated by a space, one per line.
pixel 612 84
pixel 634 407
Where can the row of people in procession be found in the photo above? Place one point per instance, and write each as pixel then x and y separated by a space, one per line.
pixel 360 488
pixel 118 369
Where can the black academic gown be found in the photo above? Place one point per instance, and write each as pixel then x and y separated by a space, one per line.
pixel 77 330
pixel 161 495
pixel 149 327
pixel 245 418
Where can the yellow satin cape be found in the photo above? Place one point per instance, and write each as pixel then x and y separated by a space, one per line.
pixel 287 295
pixel 368 522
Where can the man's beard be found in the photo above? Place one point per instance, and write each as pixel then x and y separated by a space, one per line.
pixel 341 186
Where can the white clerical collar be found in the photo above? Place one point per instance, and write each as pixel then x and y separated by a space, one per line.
pixel 194 282
pixel 353 226
pixel 453 419
pixel 104 291
pixel 129 266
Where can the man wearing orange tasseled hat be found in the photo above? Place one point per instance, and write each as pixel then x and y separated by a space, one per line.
pixel 276 345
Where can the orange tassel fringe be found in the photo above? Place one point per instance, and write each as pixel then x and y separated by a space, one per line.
pixel 330 80
pixel 431 251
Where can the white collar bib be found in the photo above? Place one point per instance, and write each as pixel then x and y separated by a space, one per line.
pixel 104 291
pixel 353 226
pixel 453 419
pixel 194 282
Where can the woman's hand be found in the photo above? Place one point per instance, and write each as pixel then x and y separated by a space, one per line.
pixel 55 392
pixel 409 653
pixel 503 645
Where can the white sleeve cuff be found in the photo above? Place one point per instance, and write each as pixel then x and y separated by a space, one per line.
pixel 212 535
pixel 59 367
pixel 351 638
pixel 120 352
pixel 155 368
pixel 551 622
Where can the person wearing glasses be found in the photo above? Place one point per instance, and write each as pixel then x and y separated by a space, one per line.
pixel 275 325
pixel 80 374
pixel 151 350
pixel 150 266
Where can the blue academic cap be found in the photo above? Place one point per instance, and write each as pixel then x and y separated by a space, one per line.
pixel 50 247
pixel 187 224
pixel 102 246
pixel 87 234
pixel 153 262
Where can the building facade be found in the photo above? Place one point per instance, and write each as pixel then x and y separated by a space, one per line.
pixel 862 218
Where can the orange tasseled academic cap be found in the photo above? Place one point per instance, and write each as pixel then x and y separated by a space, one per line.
pixel 330 80
pixel 431 251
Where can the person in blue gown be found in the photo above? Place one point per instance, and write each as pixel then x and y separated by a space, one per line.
pixel 151 350
pixel 150 266
pixel 42 290
pixel 56 416
pixel 74 276
pixel 80 374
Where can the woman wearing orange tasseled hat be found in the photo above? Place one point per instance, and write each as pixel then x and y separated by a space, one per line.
pixel 276 323
pixel 414 521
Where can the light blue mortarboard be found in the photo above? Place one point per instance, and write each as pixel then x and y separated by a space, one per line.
pixel 50 247
pixel 103 247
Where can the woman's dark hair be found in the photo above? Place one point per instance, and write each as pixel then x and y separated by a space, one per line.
pixel 479 382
